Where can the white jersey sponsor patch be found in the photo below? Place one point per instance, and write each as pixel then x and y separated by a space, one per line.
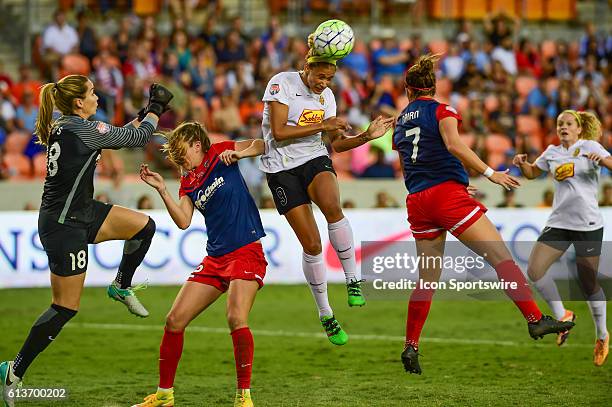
pixel 305 108
pixel 576 181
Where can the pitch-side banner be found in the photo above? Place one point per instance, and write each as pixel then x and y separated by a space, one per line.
pixel 175 253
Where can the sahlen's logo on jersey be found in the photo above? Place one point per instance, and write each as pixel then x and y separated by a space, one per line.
pixel 564 171
pixel 205 195
pixel 310 116
pixel 274 88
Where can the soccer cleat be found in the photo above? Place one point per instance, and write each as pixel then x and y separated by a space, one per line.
pixel 410 359
pixel 159 399
pixel 562 336
pixel 334 331
pixel 128 297
pixel 355 296
pixel 243 398
pixel 600 354
pixel 548 325
pixel 7 389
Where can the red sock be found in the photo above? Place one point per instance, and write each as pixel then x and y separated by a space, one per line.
pixel 170 352
pixel 418 309
pixel 522 296
pixel 243 353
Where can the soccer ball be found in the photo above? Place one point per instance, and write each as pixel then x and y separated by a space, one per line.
pixel 333 39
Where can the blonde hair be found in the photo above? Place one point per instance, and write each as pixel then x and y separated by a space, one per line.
pixel 421 77
pixel 590 124
pixel 189 133
pixel 60 95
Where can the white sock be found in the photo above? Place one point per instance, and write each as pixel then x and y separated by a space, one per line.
pixel 162 390
pixel 597 305
pixel 547 288
pixel 315 273
pixel 341 238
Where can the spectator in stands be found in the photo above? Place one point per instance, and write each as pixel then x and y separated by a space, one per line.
pixel 144 203
pixel 203 73
pixel 357 61
pixel 119 193
pixel 7 110
pixel 226 119
pixel 123 38
pixel 4 171
pixel 58 39
pixel 537 101
pixel 380 168
pixel 5 79
pixel 528 59
pixel 497 28
pixel 502 120
pixel 348 204
pixel 180 47
pixel 26 83
pixel 547 198
pixel 507 164
pixel 606 195
pixel 504 53
pixel 231 51
pixel 590 68
pixel 87 37
pixel 109 83
pixel 26 113
pixel 384 200
pixel 509 200
pixel 474 120
pixel 210 34
pixel 389 59
pixel 30 206
pixel 453 65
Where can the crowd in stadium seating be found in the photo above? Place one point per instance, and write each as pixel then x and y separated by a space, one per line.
pixel 507 88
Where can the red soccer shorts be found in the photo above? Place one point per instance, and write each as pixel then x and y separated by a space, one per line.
pixel 245 263
pixel 446 206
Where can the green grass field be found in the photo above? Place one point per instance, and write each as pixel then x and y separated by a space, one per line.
pixel 475 353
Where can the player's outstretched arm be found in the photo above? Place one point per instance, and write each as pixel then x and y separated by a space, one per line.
pixel 376 129
pixel 599 160
pixel 454 144
pixel 181 212
pixel 245 148
pixel 529 170
pixel 281 131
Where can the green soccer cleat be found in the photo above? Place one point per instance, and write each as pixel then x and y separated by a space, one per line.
pixel 128 297
pixel 355 296
pixel 334 331
pixel 8 399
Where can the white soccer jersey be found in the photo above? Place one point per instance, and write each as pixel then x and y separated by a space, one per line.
pixel 576 180
pixel 305 107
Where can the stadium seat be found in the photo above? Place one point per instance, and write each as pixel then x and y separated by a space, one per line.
pixel 525 84
pixel 39 162
pixel 19 165
pixel 536 141
pixel 443 9
pixel 473 9
pixel 75 64
pixel 527 124
pixel 497 144
pixel 508 7
pixel 468 139
pixel 533 9
pixel 16 143
pixel 438 46
pixel 562 10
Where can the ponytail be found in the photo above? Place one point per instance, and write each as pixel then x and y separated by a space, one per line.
pixel 591 126
pixel 421 77
pixel 45 114
pixel 60 95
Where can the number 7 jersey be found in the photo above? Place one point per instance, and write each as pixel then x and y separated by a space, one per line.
pixel 425 158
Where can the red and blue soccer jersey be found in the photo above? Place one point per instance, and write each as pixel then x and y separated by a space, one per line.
pixel 220 194
pixel 427 162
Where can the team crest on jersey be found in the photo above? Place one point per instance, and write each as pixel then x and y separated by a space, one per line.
pixel 103 127
pixel 321 100
pixel 564 171
pixel 576 152
pixel 274 88
pixel 310 116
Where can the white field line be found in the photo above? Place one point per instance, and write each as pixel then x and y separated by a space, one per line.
pixel 289 334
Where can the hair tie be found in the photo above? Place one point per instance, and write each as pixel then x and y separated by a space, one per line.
pixel 575 114
pixel 54 85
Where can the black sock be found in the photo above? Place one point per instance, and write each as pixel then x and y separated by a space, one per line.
pixel 45 329
pixel 134 251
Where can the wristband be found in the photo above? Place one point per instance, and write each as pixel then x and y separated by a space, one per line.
pixel 488 172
